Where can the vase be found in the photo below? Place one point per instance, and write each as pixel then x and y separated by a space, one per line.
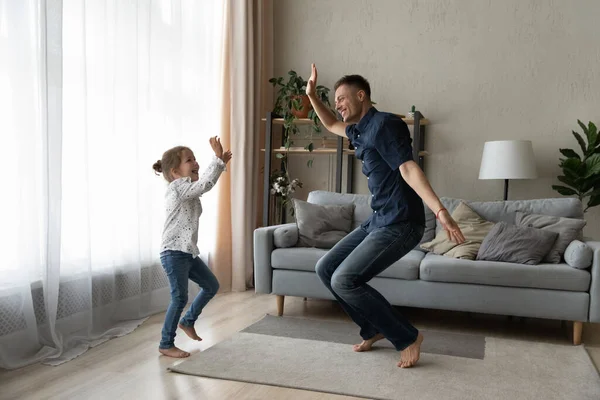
pixel 277 210
pixel 306 107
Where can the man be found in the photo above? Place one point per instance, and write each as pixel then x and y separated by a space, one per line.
pixel 398 188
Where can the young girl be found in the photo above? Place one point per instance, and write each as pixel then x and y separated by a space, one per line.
pixel 179 250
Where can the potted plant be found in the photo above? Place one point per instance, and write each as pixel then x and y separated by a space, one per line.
pixel 581 173
pixel 293 103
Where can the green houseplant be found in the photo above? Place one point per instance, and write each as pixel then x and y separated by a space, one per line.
pixel 293 103
pixel 581 173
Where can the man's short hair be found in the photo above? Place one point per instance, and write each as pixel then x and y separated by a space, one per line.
pixel 356 81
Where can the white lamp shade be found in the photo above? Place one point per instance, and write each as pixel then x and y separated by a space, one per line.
pixel 508 159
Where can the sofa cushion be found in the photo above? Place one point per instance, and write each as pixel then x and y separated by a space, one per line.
pixel 406 268
pixel 297 258
pixel 362 203
pixel 516 244
pixel 437 268
pixel 568 229
pixel 579 255
pixel 474 229
pixel 322 225
pixel 362 209
pixel 305 259
pixel 285 236
pixel 430 222
pixel 496 211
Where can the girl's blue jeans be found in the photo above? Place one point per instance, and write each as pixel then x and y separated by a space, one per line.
pixel 180 267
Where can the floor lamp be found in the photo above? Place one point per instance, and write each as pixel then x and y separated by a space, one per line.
pixel 508 159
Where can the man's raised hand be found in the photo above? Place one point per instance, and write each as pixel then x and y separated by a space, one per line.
pixel 311 86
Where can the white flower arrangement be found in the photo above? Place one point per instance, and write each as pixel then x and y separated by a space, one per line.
pixel 281 186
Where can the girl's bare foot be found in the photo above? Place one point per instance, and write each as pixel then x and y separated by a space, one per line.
pixel 367 344
pixel 190 331
pixel 410 355
pixel 174 352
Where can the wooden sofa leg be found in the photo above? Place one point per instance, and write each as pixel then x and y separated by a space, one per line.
pixel 577 332
pixel 280 300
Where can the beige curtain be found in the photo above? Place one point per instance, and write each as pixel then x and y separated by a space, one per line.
pixel 246 99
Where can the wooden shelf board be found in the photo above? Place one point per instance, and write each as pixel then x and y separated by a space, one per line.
pixel 302 150
pixel 326 151
pixel 421 153
pixel 307 121
pixel 410 121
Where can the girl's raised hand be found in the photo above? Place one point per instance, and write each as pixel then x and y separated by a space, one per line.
pixel 215 143
pixel 226 156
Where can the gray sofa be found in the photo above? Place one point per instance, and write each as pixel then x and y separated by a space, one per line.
pixel 426 280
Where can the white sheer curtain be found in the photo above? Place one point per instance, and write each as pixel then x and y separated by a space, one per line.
pixel 91 94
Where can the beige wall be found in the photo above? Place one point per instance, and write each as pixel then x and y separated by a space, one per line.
pixel 479 70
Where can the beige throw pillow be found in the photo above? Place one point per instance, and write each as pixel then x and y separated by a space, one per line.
pixel 473 227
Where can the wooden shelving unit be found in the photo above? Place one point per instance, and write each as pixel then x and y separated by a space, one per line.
pixel 322 150
pixel 319 150
pixel 308 121
pixel 418 123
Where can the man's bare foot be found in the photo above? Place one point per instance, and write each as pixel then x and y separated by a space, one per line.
pixel 410 355
pixel 174 352
pixel 367 344
pixel 190 331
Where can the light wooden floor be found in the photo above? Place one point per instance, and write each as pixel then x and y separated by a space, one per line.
pixel 131 368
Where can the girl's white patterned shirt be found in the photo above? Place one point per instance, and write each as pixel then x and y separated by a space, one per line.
pixel 183 209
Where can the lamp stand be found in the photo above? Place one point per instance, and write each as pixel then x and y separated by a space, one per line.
pixel 505 189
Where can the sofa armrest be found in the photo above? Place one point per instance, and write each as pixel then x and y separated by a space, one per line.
pixel 595 285
pixel 263 247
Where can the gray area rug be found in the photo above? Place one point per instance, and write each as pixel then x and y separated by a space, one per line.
pixel 450 344
pixel 316 355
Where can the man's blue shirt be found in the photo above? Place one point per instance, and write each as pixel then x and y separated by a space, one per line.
pixel 382 142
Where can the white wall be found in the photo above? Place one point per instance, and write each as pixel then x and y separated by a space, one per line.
pixel 479 70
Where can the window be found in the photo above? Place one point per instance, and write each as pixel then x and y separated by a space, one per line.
pixel 136 79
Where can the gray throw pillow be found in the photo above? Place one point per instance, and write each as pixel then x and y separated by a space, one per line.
pixel 568 229
pixel 516 244
pixel 285 236
pixel 322 225
pixel 579 255
pixel 430 222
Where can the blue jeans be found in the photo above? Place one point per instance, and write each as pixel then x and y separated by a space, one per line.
pixel 180 267
pixel 353 262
